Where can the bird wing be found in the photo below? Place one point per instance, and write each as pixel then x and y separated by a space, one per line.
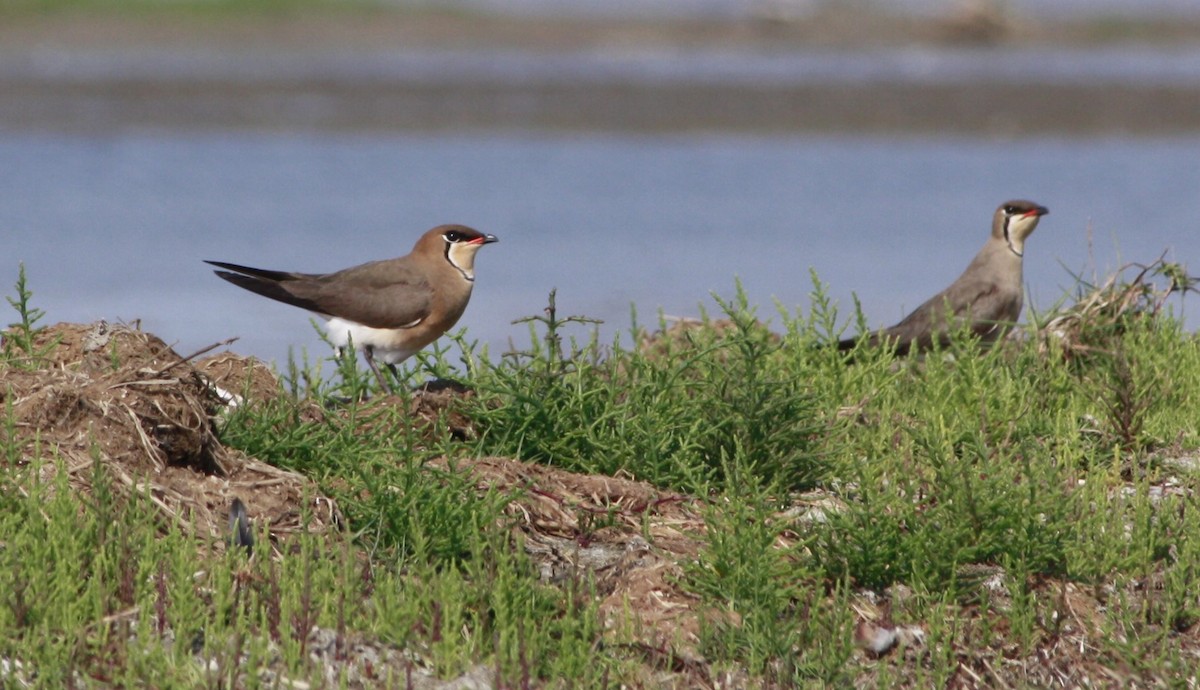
pixel 984 302
pixel 381 294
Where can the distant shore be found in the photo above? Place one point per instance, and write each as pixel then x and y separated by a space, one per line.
pixel 322 27
pixel 237 97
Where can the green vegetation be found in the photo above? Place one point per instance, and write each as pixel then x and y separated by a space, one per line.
pixel 20 348
pixel 1022 516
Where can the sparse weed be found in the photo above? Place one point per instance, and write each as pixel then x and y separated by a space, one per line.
pixel 19 343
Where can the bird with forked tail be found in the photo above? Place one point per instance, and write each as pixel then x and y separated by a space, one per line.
pixel 389 309
pixel 986 298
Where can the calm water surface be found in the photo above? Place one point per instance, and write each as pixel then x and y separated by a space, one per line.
pixel 115 227
pixel 1132 64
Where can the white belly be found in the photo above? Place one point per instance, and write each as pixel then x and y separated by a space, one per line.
pixel 388 344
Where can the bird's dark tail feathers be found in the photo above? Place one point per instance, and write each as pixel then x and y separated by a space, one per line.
pixel 266 283
pixel 277 276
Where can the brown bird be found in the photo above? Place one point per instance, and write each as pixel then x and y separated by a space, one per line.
pixel 986 298
pixel 391 308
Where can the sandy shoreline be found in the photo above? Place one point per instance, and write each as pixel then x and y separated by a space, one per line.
pixel 316 29
pixel 240 98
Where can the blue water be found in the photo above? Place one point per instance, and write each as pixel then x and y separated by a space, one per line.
pixel 115 227
pixel 1140 64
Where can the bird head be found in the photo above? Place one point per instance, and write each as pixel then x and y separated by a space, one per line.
pixel 1015 220
pixel 457 244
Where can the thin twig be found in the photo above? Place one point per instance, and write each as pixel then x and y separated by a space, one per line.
pixel 195 354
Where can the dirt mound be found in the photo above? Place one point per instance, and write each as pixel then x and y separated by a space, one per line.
pixel 688 334
pixel 431 407
pixel 147 415
pixel 575 524
pixel 238 379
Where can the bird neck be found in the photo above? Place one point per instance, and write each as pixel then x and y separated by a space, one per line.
pixel 1014 240
pixel 461 256
pixel 1015 229
pixel 997 255
pixel 1016 245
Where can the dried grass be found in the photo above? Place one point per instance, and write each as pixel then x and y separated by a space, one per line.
pixel 121 397
pixel 1101 311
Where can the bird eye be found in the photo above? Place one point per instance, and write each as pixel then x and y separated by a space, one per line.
pixel 1010 209
pixel 453 236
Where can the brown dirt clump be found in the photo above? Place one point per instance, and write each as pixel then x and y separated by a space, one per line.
pixel 631 536
pixel 686 334
pixel 440 402
pixel 120 397
pixel 247 378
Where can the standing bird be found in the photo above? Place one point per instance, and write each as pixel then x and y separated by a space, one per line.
pixel 986 298
pixel 391 308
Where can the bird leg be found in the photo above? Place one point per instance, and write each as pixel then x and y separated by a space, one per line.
pixel 369 355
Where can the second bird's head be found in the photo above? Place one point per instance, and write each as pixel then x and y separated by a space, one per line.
pixel 457 244
pixel 1015 220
